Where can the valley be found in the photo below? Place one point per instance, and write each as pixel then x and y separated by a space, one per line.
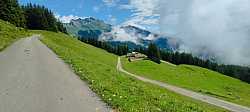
pixel 124 56
pixel 122 92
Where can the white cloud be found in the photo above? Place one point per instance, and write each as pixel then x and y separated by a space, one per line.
pixel 67 19
pixel 145 12
pixel 110 3
pixel 217 27
pixel 121 35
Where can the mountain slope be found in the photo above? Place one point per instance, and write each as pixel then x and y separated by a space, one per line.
pixel 87 27
pixel 194 78
pixel 134 36
pixel 124 93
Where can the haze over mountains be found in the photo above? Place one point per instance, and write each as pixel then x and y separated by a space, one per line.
pixel 210 27
pixel 99 54
pixel 94 28
pixel 218 27
pixel 134 36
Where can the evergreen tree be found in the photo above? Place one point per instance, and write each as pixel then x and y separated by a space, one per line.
pixel 60 27
pixel 154 53
pixel 41 18
pixel 177 58
pixel 11 11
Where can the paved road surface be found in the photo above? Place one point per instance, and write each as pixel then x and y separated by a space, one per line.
pixel 33 79
pixel 208 99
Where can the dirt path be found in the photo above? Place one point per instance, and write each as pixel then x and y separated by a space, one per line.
pixel 168 63
pixel 208 99
pixel 34 79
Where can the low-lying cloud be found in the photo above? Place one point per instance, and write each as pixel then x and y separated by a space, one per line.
pixel 120 34
pixel 217 27
pixel 67 19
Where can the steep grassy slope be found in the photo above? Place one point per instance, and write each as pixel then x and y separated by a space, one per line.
pixel 122 92
pixel 194 78
pixel 9 33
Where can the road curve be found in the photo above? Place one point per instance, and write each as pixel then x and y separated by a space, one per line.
pixel 208 99
pixel 34 79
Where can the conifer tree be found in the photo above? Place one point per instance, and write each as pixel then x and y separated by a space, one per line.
pixel 154 53
pixel 11 11
pixel 41 18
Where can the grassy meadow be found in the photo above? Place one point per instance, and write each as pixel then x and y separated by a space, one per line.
pixel 9 34
pixel 120 91
pixel 194 78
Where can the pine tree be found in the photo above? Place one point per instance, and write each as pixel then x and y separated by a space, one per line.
pixel 41 18
pixel 60 27
pixel 154 53
pixel 11 11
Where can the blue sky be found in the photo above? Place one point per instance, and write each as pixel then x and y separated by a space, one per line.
pixel 207 23
pixel 139 13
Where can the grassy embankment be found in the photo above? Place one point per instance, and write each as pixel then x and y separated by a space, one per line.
pixel 9 34
pixel 120 91
pixel 193 78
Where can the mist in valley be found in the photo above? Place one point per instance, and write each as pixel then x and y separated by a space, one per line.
pixel 220 28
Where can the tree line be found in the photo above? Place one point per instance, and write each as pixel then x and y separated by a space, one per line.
pixel 121 49
pixel 155 54
pixel 30 16
pixel 239 72
pixel 235 71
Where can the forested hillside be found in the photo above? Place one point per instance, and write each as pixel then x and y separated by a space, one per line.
pixel 11 11
pixel 30 16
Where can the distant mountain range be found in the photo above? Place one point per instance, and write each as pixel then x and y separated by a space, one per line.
pixel 88 27
pixel 133 36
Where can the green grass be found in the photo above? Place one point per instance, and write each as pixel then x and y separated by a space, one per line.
pixel 120 91
pixel 193 78
pixel 9 34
